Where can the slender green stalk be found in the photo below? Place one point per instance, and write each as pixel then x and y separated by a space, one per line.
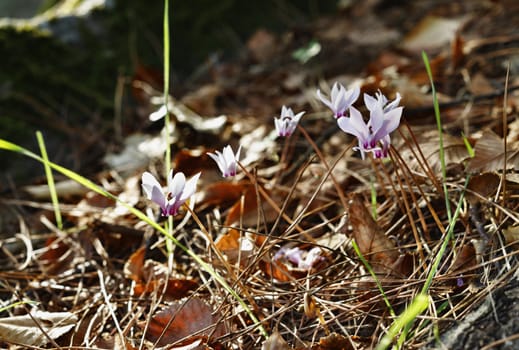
pixel 440 135
pixel 446 240
pixel 167 122
pixel 418 305
pixel 373 197
pixel 374 275
pixel 18 303
pixel 50 180
pixel 9 146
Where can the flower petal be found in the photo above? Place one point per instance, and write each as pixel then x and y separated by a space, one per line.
pixel 148 183
pixel 190 187
pixel 355 125
pixel 324 100
pixel 176 186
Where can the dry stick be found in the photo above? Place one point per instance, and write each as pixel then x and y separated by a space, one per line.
pixel 325 177
pixel 408 210
pixel 262 251
pixel 236 279
pixel 323 160
pixel 270 201
pixel 289 195
pixel 411 192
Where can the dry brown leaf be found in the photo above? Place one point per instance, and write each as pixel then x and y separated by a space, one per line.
pixel 188 321
pixel 148 276
pixel 465 258
pixel 24 330
pixel 223 193
pixel 455 151
pixel 490 154
pixel 432 32
pixel 262 45
pixel 235 246
pixel 334 341
pixel 275 342
pixel 374 245
pixel 247 213
pixel 511 234
pixel 484 185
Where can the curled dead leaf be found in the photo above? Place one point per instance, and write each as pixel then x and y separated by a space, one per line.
pixel 374 245
pixel 149 275
pixel 185 323
pixel 25 330
pixel 490 154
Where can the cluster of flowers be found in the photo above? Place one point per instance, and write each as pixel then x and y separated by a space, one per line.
pixel 373 136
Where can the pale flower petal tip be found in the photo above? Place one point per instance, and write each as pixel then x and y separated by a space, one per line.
pixel 178 191
pixel 287 122
pixel 226 160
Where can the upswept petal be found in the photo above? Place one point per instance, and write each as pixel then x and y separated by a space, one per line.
pixel 376 119
pixel 297 117
pixel 280 126
pixel 218 158
pixel 370 102
pixel 390 123
pixel 286 112
pixel 176 185
pixel 228 154
pixel 352 95
pixel 339 100
pixel 148 183
pixel 157 196
pixel 392 105
pixel 355 125
pixel 190 188
pixel 324 100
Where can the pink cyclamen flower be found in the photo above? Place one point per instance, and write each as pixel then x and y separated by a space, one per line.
pixel 179 191
pixel 374 135
pixel 340 99
pixel 287 122
pixel 226 160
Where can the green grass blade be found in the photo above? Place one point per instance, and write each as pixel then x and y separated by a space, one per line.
pixel 18 303
pixel 469 147
pixel 50 180
pixel 440 134
pixel 446 240
pixel 374 275
pixel 418 305
pixel 139 214
pixel 167 122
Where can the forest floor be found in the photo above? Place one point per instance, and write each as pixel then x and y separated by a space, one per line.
pixel 282 233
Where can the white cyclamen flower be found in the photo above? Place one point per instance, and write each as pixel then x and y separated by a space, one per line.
pixel 286 124
pixel 178 192
pixel 226 160
pixel 340 99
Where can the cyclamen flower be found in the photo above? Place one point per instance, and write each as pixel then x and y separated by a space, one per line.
pixel 178 191
pixel 373 136
pixel 340 99
pixel 381 101
pixel 226 160
pixel 287 122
